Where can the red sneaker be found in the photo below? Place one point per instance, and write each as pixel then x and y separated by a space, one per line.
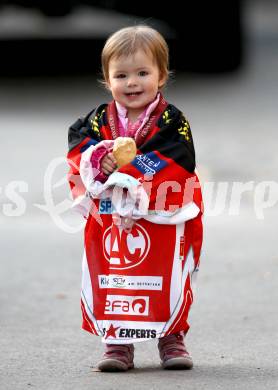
pixel 173 353
pixel 117 358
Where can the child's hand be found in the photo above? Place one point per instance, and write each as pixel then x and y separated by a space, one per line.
pixel 108 164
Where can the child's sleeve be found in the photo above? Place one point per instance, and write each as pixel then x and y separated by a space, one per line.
pixel 96 158
pixel 187 153
pixel 80 138
pixel 176 142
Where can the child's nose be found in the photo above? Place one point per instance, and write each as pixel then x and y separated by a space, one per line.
pixel 132 80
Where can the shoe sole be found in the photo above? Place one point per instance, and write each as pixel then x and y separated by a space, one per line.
pixel 178 363
pixel 113 365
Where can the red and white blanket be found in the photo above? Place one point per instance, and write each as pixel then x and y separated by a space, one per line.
pixel 138 278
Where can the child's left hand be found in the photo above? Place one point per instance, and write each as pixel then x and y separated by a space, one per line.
pixel 108 164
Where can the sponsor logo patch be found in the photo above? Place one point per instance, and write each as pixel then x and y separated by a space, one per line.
pixel 125 250
pixel 126 304
pixel 130 282
pixel 129 333
pixel 149 163
pixel 105 206
pixel 138 333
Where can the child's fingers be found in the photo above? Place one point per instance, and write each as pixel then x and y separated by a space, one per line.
pixel 108 166
pixel 111 158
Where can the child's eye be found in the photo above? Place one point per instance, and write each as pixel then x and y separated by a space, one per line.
pixel 120 76
pixel 143 73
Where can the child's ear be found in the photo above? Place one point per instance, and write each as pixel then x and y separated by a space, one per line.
pixel 162 80
pixel 107 85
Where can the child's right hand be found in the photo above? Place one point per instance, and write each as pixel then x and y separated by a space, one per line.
pixel 108 164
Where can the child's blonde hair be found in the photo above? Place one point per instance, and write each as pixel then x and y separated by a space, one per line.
pixel 129 40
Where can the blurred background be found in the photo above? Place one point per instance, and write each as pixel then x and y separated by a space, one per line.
pixel 60 37
pixel 225 59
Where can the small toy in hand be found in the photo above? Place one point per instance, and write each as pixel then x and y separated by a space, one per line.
pixel 124 150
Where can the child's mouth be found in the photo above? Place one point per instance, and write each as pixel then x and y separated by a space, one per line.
pixel 133 93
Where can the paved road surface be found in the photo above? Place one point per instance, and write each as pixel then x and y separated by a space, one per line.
pixel 234 321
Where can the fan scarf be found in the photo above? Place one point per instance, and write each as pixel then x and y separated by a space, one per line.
pixel 137 283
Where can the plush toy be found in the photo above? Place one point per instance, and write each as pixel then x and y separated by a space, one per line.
pixel 124 150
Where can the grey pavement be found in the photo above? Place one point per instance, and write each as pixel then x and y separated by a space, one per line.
pixel 234 319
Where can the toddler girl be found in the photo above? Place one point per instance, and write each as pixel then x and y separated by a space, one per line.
pixel 143 233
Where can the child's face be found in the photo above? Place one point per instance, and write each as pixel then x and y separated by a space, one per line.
pixel 134 81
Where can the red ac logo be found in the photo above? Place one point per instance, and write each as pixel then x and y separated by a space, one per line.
pixel 125 250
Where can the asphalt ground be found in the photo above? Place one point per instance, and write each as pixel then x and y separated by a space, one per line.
pixel 234 319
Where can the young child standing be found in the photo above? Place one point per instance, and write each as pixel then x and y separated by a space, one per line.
pixel 143 233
